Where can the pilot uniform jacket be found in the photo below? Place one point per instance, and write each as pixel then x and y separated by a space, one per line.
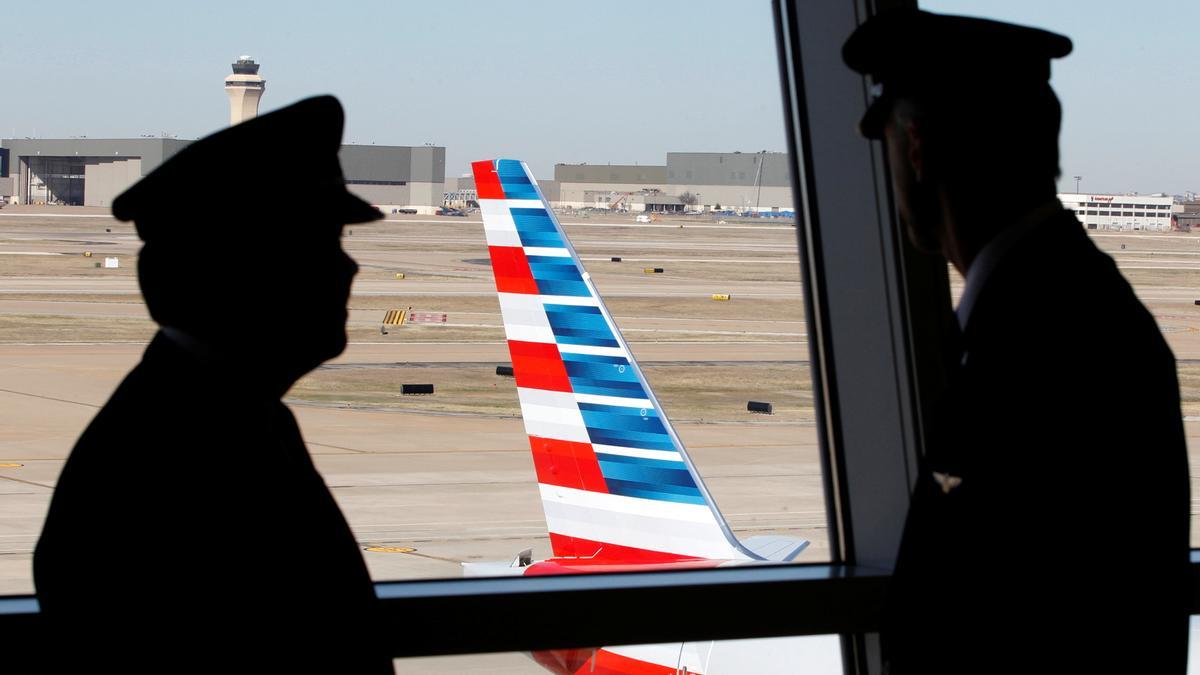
pixel 1048 529
pixel 190 532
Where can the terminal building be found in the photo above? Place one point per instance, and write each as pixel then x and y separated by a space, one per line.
pixel 1121 212
pixel 92 172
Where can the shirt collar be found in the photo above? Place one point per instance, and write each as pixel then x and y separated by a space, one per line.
pixel 987 260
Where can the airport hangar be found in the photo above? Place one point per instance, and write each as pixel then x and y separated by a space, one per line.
pixel 729 180
pixel 92 172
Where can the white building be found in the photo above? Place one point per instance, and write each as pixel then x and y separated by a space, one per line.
pixel 1121 212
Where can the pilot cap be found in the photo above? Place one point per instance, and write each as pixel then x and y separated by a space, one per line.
pixel 248 174
pixel 943 57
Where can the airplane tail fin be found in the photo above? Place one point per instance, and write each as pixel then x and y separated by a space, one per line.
pixel 615 480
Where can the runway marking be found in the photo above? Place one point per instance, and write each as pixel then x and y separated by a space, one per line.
pixel 71 344
pixel 57 215
pixel 339 447
pixel 49 398
pixel 390 549
pixel 413 552
pixel 1151 251
pixel 99 291
pixel 31 253
pixel 488 524
pixel 1158 235
pixel 1122 262
pixel 84 313
pixel 27 482
pixel 83 302
pixel 1155 267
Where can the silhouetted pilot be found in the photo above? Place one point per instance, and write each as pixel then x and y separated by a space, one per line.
pixel 189 531
pixel 1048 530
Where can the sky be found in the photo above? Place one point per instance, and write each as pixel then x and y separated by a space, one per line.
pixel 615 82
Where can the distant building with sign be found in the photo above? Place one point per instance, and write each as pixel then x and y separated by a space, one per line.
pixel 1123 213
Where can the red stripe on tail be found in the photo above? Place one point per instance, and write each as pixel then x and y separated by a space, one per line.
pixel 538 365
pixel 487 183
pixel 511 269
pixel 566 464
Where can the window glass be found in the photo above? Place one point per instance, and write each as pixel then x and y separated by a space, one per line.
pixel 683 215
pixel 1160 263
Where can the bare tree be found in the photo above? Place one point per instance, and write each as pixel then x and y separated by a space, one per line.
pixel 688 199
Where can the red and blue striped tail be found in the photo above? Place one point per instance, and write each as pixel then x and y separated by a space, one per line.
pixel 617 485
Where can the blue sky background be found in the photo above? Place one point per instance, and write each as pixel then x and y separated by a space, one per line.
pixel 619 82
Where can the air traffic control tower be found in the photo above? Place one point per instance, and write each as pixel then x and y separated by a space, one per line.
pixel 245 88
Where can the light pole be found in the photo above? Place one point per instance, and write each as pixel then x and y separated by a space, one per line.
pixel 1077 179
